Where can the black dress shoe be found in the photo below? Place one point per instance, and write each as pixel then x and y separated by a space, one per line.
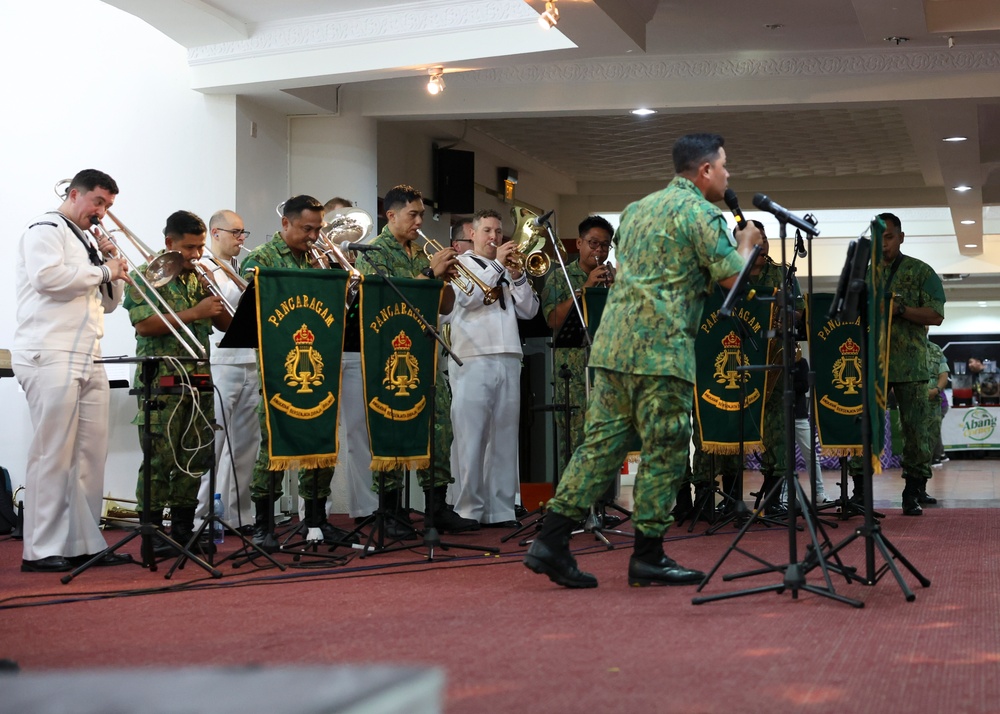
pixel 665 572
pixel 107 561
pixel 558 564
pixel 925 499
pixel 51 564
pixel 520 511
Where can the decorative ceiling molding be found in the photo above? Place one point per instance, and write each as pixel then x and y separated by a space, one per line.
pixel 832 64
pixel 345 29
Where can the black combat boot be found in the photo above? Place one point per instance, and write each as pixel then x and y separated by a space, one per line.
pixel 649 566
pixel 858 497
pixel 924 498
pixel 703 506
pixel 397 519
pixel 445 519
pixel 161 549
pixel 549 555
pixel 684 504
pixel 911 494
pixel 772 507
pixel 182 528
pixel 315 517
pixel 262 509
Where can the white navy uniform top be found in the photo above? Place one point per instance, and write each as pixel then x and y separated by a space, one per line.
pixel 62 291
pixel 478 329
pixel 231 292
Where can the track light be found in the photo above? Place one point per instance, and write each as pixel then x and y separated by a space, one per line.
pixel 435 85
pixel 549 18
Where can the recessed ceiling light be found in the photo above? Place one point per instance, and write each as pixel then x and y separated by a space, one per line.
pixel 968 223
pixel 963 188
pixel 955 138
pixel 971 245
pixel 643 112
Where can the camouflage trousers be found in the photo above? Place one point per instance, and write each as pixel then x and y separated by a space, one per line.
pixel 313 483
pixel 181 441
pixel 773 458
pixel 442 447
pixel 575 362
pixel 934 419
pixel 914 414
pixel 623 406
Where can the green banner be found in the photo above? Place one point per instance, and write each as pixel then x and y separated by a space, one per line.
pixel 720 348
pixel 835 357
pixel 594 300
pixel 879 311
pixel 399 365
pixel 300 333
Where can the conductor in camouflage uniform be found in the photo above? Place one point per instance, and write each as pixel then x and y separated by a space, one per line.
pixel 917 302
pixel 671 246
pixel 301 220
pixel 589 270
pixel 178 455
pixel 401 255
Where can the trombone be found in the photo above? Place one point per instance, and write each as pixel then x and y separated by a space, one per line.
pixel 205 271
pixel 466 280
pixel 160 270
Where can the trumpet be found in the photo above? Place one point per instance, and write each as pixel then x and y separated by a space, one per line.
pixel 160 270
pixel 466 280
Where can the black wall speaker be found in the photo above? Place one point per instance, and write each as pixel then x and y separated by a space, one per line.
pixel 454 181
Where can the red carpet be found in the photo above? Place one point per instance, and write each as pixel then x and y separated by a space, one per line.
pixel 509 640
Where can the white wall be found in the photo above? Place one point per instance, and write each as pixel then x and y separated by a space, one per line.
pixel 87 85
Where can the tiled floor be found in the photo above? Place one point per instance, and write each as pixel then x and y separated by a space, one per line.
pixel 958 483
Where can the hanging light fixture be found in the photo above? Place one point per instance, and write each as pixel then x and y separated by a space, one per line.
pixel 549 18
pixel 435 85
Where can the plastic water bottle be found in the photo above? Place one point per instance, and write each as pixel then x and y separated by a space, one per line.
pixel 218 532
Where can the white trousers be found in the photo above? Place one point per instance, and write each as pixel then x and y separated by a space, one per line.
pixel 68 397
pixel 355 451
pixel 237 393
pixel 803 438
pixel 485 409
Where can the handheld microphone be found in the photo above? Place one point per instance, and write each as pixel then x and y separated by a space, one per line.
pixel 360 247
pixel 782 214
pixel 734 205
pixel 800 246
pixel 543 219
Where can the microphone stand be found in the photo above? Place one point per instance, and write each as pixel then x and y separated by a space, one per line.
pixel 431 537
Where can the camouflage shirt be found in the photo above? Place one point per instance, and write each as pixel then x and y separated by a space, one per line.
pixel 671 246
pixel 274 254
pixel 936 364
pixel 555 292
pixel 771 276
pixel 183 292
pixel 917 285
pixel 392 259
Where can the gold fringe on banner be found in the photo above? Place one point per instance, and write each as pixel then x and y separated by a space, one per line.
pixel 391 464
pixel 634 457
pixel 731 449
pixel 281 463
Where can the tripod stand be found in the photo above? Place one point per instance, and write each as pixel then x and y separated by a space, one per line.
pixel 147 530
pixel 793 571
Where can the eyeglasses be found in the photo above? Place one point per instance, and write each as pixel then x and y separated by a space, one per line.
pixel 595 244
pixel 235 233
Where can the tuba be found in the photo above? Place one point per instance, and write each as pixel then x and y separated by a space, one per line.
pixel 533 252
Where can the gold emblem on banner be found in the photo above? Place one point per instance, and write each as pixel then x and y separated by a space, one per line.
pixel 729 360
pixel 304 365
pixel 847 369
pixel 401 369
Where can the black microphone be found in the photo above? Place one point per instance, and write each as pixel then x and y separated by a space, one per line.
pixel 800 246
pixel 766 204
pixel 734 205
pixel 543 219
pixel 361 247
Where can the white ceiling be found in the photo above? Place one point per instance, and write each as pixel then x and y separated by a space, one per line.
pixel 823 114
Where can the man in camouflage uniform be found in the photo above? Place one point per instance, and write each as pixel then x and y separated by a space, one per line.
pixel 937 365
pixel 766 277
pixel 672 245
pixel 401 255
pixel 918 302
pixel 588 271
pixel 178 455
pixel 301 220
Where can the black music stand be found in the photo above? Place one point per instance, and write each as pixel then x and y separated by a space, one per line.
pixel 146 530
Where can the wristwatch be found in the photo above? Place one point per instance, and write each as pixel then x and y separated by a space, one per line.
pixel 428 273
